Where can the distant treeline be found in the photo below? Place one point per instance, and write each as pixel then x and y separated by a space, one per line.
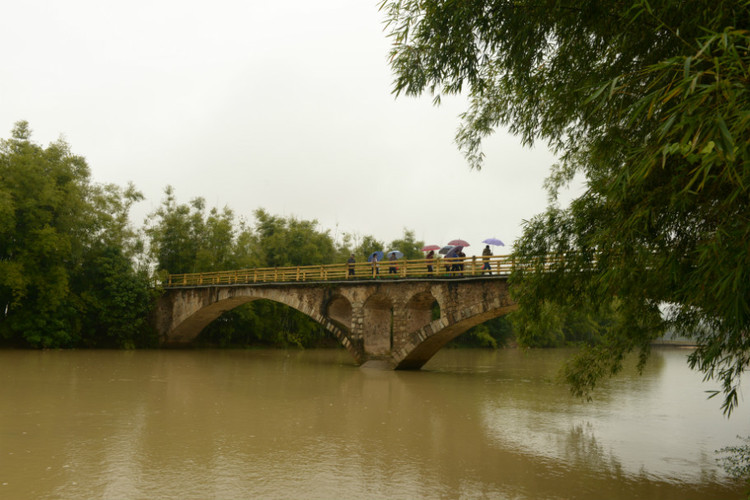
pixel 75 272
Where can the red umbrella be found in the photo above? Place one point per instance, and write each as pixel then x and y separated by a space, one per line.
pixel 458 243
pixel 430 247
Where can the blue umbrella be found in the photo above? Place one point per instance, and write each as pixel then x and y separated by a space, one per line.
pixel 377 254
pixel 396 253
pixel 446 249
pixel 453 252
pixel 494 241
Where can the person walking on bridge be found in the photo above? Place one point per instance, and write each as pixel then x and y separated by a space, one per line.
pixel 351 263
pixel 392 269
pixel 486 254
pixel 460 257
pixel 375 266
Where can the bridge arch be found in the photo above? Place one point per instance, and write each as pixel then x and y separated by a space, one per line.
pixel 423 343
pixel 203 309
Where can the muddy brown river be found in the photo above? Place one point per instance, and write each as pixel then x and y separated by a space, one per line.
pixel 204 424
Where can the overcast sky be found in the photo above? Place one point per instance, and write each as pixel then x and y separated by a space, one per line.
pixel 285 106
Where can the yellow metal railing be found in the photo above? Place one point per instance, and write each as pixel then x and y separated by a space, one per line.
pixel 416 268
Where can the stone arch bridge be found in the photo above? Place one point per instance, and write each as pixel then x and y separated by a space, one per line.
pixel 386 323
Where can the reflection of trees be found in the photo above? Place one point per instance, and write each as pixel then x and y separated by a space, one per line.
pixel 582 451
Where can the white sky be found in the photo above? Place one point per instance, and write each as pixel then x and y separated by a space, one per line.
pixel 285 106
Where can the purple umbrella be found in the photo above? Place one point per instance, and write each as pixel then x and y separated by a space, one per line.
pixel 494 241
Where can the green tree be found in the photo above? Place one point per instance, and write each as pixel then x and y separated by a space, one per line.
pixel 113 302
pixel 243 253
pixel 291 242
pixel 411 248
pixel 217 250
pixel 368 245
pixel 175 232
pixel 648 102
pixel 57 229
pixel 187 237
pixel 42 198
pixel 550 325
pixel 493 334
pixel 114 294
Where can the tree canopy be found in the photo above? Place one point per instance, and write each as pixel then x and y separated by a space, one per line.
pixel 648 102
pixel 67 252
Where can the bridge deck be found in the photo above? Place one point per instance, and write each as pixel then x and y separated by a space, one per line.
pixel 497 266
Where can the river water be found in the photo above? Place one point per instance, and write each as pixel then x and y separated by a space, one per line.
pixel 201 424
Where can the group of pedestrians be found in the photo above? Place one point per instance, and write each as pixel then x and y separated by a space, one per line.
pixel 454 264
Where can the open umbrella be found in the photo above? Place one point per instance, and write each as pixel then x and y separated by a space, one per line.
pixel 430 248
pixel 453 252
pixel 446 249
pixel 458 243
pixel 377 254
pixel 394 252
pixel 494 241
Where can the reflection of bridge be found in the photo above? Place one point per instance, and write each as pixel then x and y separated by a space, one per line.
pixel 385 320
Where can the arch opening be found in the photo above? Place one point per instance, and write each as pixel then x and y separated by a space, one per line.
pixel 340 311
pixel 190 313
pixel 266 323
pixel 494 333
pixel 420 310
pixel 423 347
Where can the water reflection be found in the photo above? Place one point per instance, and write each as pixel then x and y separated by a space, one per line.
pixel 280 424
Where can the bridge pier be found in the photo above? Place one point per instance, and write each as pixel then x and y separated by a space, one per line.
pixel 385 323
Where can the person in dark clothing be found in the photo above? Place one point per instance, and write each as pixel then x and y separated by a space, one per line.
pixel 351 263
pixel 486 254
